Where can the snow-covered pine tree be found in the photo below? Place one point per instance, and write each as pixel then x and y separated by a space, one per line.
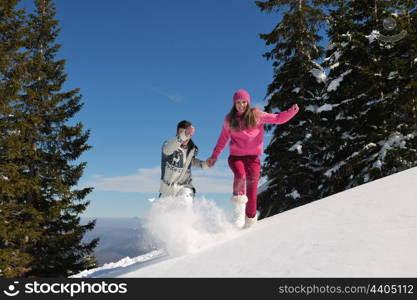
pixel 53 145
pixel 371 90
pixel 399 147
pixel 19 220
pixel 290 165
pixel 341 83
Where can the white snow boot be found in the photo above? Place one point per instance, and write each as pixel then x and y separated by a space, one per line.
pixel 249 222
pixel 239 202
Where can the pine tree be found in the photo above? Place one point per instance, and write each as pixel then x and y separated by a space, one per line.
pixel 290 166
pixel 342 81
pixel 399 144
pixel 372 92
pixel 53 146
pixel 19 221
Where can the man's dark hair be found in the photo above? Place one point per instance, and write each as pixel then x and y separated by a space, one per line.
pixel 183 124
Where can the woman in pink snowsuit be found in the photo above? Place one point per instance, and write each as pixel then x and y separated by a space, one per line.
pixel 244 126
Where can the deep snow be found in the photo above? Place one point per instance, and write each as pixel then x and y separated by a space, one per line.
pixel 367 231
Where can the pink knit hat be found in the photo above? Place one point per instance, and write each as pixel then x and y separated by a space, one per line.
pixel 241 94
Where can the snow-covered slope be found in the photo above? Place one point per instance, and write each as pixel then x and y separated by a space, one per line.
pixel 368 231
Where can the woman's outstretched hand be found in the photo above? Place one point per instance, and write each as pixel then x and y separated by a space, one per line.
pixel 295 107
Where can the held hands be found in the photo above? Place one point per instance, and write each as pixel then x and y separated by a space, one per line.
pixel 211 161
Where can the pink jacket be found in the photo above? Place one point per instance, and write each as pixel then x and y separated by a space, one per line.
pixel 249 141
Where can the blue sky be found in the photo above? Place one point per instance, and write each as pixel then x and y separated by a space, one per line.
pixel 143 66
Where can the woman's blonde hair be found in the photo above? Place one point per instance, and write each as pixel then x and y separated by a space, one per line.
pixel 249 118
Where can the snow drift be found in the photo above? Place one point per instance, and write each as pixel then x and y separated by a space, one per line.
pixel 180 229
pixel 368 231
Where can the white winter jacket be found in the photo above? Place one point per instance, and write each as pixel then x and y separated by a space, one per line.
pixel 174 160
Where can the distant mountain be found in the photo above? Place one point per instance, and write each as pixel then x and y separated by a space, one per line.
pixel 119 237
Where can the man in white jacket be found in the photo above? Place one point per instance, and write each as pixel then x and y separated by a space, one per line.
pixel 178 155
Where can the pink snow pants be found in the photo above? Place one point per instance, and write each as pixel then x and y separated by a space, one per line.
pixel 246 170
